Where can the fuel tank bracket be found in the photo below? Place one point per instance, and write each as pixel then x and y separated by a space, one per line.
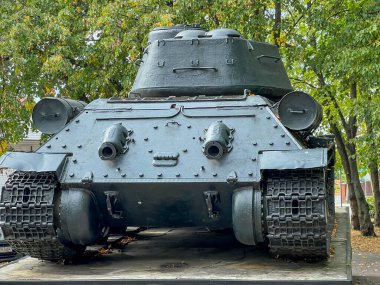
pixel 212 198
pixel 111 200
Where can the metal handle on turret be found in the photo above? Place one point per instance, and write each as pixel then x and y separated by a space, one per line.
pixel 268 56
pixel 194 68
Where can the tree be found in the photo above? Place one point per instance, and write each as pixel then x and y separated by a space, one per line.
pixel 328 34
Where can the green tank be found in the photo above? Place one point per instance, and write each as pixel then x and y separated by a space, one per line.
pixel 211 135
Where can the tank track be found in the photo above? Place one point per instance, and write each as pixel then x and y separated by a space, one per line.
pixel 297 205
pixel 27 215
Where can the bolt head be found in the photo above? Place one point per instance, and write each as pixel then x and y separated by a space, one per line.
pixel 71 174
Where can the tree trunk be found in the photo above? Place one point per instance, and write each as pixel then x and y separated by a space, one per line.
pixel 366 226
pixel 373 168
pixel 277 22
pixel 354 207
pixel 351 128
pixel 374 172
pixel 347 171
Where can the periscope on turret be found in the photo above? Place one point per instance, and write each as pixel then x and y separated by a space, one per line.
pixel 211 135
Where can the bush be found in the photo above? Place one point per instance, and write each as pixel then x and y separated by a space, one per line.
pixel 371 204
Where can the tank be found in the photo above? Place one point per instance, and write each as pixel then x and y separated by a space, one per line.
pixel 212 135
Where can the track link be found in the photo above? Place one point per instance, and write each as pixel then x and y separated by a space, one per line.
pixel 297 213
pixel 27 215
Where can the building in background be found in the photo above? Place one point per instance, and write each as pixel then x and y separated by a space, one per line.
pixel 29 144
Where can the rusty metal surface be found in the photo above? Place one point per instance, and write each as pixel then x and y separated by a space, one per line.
pixel 191 256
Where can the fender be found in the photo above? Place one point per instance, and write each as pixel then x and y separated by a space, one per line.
pixel 37 162
pixel 294 159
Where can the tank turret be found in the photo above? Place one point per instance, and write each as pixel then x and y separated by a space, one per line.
pixel 187 61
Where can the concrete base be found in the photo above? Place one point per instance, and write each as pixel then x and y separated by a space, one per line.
pixel 191 256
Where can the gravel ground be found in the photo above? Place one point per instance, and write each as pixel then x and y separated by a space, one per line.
pixel 366 268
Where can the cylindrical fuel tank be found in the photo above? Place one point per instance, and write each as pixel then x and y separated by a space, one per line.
pixel 299 111
pixel 50 115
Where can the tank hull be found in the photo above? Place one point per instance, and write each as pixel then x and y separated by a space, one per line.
pixel 164 177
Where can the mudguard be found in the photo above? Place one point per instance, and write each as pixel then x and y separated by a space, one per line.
pixel 38 162
pixel 293 159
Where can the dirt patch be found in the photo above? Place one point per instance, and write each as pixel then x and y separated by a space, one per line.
pixel 174 265
pixel 365 244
